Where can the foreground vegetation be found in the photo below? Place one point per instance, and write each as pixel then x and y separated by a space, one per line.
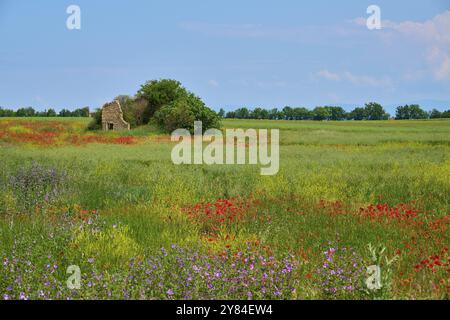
pixel 139 227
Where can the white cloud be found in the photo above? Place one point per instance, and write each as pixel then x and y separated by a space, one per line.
pixel 325 74
pixel 358 80
pixel 433 35
pixel 440 61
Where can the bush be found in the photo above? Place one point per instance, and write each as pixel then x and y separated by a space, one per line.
pixel 96 123
pixel 159 93
pixel 183 112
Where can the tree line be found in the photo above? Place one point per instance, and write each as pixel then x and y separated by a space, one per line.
pixel 371 111
pixel 31 112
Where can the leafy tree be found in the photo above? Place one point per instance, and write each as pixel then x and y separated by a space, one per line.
pixel 435 114
pixel 7 113
pixel 375 111
pixel 357 114
pixel 289 113
pixel 25 112
pixel 231 115
pixel 274 114
pixel 221 113
pixel 159 93
pixel 51 113
pixel 96 123
pixel 65 113
pixel 337 113
pixel 257 113
pixel 321 113
pixel 182 113
pixel 302 114
pixel 242 113
pixel 408 112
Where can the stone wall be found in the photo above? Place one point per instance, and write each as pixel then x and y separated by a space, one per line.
pixel 112 117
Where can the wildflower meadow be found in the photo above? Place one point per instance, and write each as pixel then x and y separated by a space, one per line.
pixel 113 207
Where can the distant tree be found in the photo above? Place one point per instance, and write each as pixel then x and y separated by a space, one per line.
pixel 7 113
pixel 435 114
pixel 337 113
pixel 416 112
pixel 257 113
pixel 321 113
pixel 51 113
pixel 242 113
pixel 25 112
pixel 159 93
pixel 221 113
pixel 375 111
pixel 302 114
pixel 409 112
pixel 65 113
pixel 274 114
pixel 289 113
pixel 357 114
pixel 230 115
pixel 445 114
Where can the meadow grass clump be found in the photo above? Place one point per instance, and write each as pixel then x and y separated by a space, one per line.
pixel 36 186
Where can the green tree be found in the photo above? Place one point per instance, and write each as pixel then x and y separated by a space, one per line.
pixel 242 113
pixel 25 112
pixel 51 113
pixel 182 113
pixel 230 115
pixel 289 113
pixel 274 114
pixel 357 114
pixel 221 113
pixel 65 113
pixel 408 112
pixel 375 111
pixel 337 113
pixel 302 114
pixel 445 114
pixel 435 114
pixel 159 93
pixel 321 113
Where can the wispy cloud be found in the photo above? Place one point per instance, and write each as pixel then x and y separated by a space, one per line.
pixel 260 31
pixel 433 35
pixel 358 80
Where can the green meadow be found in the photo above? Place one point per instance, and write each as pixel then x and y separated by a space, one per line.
pixel 348 195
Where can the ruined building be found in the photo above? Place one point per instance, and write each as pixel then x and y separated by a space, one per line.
pixel 112 117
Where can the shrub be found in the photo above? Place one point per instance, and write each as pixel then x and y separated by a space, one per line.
pixel 159 93
pixel 96 123
pixel 183 112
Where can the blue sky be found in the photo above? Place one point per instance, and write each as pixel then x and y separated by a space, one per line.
pixel 231 53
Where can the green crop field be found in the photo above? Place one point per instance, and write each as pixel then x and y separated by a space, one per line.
pixel 348 195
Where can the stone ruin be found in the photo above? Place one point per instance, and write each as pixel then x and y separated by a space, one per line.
pixel 112 117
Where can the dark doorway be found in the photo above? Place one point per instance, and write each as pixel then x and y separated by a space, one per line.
pixel 110 126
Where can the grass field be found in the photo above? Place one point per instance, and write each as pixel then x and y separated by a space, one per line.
pixel 140 227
